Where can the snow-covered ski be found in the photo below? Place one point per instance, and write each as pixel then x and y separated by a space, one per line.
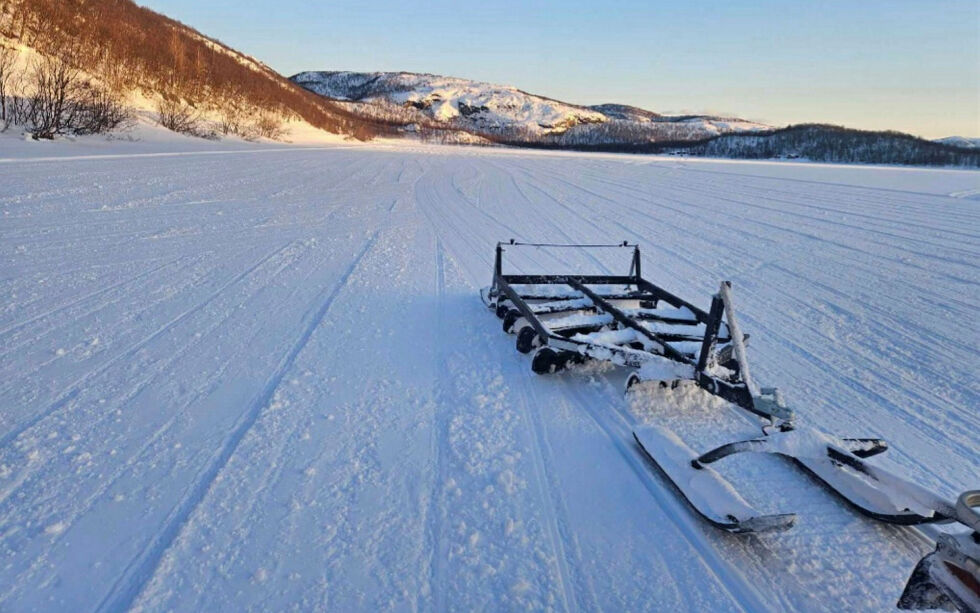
pixel 840 465
pixel 705 489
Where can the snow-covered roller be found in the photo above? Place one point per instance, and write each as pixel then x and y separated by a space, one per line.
pixel 668 342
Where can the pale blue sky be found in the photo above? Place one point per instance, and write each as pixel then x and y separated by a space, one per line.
pixel 897 64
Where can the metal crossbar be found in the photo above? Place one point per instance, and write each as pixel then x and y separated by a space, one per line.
pixel 560 245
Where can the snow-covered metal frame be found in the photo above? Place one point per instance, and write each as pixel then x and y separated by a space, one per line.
pixel 557 347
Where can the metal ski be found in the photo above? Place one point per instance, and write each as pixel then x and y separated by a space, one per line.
pixel 839 465
pixel 705 490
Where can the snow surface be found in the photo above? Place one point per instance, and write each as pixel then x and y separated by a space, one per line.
pixel 263 379
pixel 145 137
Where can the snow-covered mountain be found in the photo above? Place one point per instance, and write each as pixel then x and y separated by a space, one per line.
pixel 506 112
pixel 960 141
pixel 717 125
pixel 448 99
pixel 625 111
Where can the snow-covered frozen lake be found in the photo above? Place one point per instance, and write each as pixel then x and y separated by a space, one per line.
pixel 263 380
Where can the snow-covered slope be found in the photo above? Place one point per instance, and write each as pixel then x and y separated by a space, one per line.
pixel 263 380
pixel 717 125
pixel 960 141
pixel 499 109
pixel 625 111
pixel 447 99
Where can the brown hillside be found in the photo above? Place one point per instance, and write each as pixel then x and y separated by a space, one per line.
pixel 130 47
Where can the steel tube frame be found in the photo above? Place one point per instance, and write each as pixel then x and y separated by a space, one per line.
pixel 737 393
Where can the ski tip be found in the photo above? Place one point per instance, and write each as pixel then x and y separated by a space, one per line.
pixel 723 509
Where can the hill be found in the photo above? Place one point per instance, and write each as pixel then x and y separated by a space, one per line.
pixel 827 143
pixel 505 114
pixel 144 57
pixel 960 141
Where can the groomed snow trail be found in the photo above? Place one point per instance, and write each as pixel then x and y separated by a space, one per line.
pixel 264 380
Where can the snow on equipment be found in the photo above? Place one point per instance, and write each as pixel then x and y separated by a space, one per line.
pixel 669 342
pixel 951 574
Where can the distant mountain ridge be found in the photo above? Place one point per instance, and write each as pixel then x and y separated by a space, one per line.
pixel 433 106
pixel 505 113
pixel 448 98
pixel 828 143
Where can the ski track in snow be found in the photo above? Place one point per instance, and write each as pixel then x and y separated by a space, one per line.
pixel 266 382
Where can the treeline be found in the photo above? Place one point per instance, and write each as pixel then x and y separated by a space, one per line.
pixel 828 143
pixel 814 142
pixel 128 47
pixel 613 135
pixel 630 132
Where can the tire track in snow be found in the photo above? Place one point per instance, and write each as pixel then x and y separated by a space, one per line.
pixel 84 496
pixel 803 231
pixel 66 271
pixel 566 595
pixel 161 296
pixel 252 512
pixel 436 516
pixel 551 489
pixel 550 507
pixel 857 199
pixel 160 370
pixel 69 320
pixel 138 573
pixel 826 184
pixel 643 196
pixel 76 387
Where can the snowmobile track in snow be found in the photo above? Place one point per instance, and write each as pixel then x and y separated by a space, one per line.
pixel 73 390
pixel 131 583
